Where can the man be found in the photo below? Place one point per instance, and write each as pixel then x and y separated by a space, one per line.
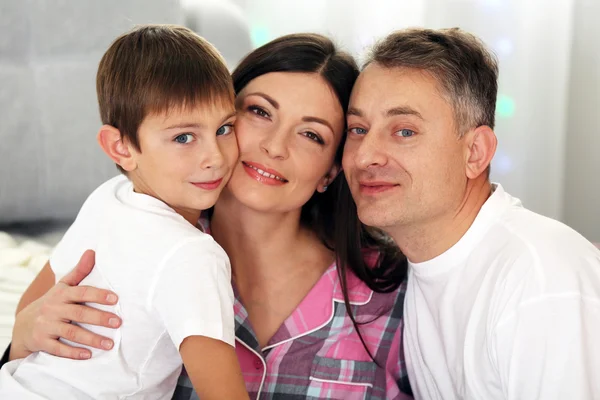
pixel 502 303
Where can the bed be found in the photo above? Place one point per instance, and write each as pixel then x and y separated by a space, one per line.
pixel 23 252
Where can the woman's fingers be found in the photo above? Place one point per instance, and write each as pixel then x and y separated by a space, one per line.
pixel 40 324
pixel 62 350
pixel 91 316
pixel 88 294
pixel 82 269
pixel 79 335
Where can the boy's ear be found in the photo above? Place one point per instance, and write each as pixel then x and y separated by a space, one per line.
pixel 110 140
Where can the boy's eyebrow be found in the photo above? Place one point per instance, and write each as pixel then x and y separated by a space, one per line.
pixel 231 115
pixel 195 125
pixel 185 125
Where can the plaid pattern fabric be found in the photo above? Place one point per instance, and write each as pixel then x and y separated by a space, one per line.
pixel 316 353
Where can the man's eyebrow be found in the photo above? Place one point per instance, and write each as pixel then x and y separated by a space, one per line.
pixel 403 110
pixel 392 112
pixel 354 111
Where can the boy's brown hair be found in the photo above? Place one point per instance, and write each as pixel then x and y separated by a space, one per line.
pixel 155 68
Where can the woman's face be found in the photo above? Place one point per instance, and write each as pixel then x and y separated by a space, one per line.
pixel 289 127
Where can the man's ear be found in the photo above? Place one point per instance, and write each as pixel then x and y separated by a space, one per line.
pixel 329 177
pixel 481 147
pixel 110 140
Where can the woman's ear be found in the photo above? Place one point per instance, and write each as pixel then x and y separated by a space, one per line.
pixel 110 140
pixel 328 178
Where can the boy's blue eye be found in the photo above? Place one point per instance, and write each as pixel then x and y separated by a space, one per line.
pixel 184 138
pixel 225 129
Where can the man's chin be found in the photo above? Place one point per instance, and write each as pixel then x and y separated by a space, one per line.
pixel 371 217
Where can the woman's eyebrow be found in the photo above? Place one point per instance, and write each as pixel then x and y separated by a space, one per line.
pixel 319 121
pixel 268 98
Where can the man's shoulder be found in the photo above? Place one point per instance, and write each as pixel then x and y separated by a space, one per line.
pixel 535 238
pixel 536 256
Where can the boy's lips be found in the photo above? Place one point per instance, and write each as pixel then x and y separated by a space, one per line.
pixel 209 185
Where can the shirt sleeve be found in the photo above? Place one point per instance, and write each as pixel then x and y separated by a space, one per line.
pixel 550 349
pixel 192 292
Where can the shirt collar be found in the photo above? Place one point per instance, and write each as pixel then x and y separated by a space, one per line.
pixel 313 312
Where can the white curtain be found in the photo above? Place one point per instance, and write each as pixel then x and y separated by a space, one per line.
pixel 549 81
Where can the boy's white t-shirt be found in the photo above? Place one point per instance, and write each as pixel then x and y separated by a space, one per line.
pixel 511 311
pixel 173 281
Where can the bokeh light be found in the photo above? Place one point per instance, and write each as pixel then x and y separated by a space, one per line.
pixel 505 106
pixel 259 35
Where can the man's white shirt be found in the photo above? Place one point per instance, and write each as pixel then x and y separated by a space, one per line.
pixel 511 311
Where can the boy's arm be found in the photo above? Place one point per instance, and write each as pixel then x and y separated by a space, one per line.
pixel 213 368
pixel 40 285
pixel 193 297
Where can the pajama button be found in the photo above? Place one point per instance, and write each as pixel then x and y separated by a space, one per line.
pixel 258 364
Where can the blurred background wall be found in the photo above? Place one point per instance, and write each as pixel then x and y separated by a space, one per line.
pixel 547 114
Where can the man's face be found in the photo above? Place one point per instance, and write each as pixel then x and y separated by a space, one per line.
pixel 403 158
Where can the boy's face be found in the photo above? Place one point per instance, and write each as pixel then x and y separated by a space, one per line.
pixel 186 156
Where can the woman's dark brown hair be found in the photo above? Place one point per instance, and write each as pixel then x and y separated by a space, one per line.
pixel 332 214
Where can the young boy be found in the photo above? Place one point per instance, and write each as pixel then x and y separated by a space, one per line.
pixel 167 104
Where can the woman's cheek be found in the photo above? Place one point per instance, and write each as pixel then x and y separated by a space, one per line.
pixel 243 131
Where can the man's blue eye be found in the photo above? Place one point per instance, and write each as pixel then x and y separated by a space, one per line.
pixel 406 133
pixel 357 131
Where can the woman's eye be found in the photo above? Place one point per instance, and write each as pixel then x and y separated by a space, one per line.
pixel 357 131
pixel 405 133
pixel 313 136
pixel 259 111
pixel 184 138
pixel 225 130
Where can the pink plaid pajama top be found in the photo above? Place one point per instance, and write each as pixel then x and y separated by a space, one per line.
pixel 316 353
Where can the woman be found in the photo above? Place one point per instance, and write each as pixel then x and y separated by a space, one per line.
pixel 305 328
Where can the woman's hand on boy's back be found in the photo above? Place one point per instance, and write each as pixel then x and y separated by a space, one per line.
pixel 46 310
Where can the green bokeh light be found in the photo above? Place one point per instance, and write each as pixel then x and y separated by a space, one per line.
pixel 505 106
pixel 259 35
